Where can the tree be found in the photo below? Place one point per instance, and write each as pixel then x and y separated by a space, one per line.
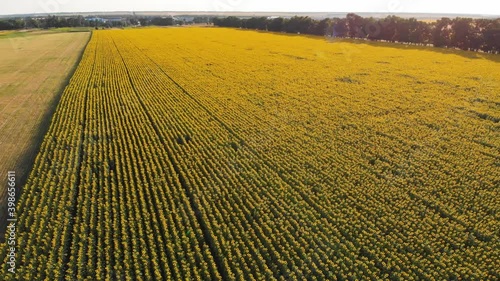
pixel 420 32
pixel 32 23
pixel 461 33
pixel 276 24
pixel 228 22
pixel 255 23
pixel 442 33
pixel 12 24
pixel 201 19
pixel 388 28
pixel 6 25
pixel 162 21
pixel 402 30
pixel 321 27
pixel 338 27
pixel 492 39
pixel 371 28
pixel 354 25
pixel 298 25
pixel 52 21
pixel 75 21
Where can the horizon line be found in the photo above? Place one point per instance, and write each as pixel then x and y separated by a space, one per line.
pixel 257 12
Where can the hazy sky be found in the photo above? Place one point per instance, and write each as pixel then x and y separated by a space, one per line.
pixel 485 7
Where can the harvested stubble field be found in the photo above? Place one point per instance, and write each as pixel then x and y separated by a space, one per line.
pixel 219 154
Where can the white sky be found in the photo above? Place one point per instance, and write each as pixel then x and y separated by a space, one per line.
pixel 482 7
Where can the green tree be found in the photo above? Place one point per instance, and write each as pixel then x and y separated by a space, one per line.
pixel 338 27
pixel 321 27
pixel 276 24
pixel 442 33
pixel 354 25
pixel 461 33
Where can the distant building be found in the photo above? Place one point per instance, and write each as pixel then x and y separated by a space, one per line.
pixel 115 19
pixel 95 19
pixel 183 18
pixel 104 20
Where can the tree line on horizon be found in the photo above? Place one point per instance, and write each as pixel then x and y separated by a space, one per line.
pixel 462 33
pixel 53 21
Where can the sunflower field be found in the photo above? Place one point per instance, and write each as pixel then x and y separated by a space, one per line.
pixel 224 154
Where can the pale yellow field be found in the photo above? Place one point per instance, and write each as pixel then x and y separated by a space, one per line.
pixel 33 69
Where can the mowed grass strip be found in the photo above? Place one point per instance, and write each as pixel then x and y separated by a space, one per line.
pixel 33 70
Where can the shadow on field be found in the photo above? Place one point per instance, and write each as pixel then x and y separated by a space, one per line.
pixel 27 159
pixel 400 46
